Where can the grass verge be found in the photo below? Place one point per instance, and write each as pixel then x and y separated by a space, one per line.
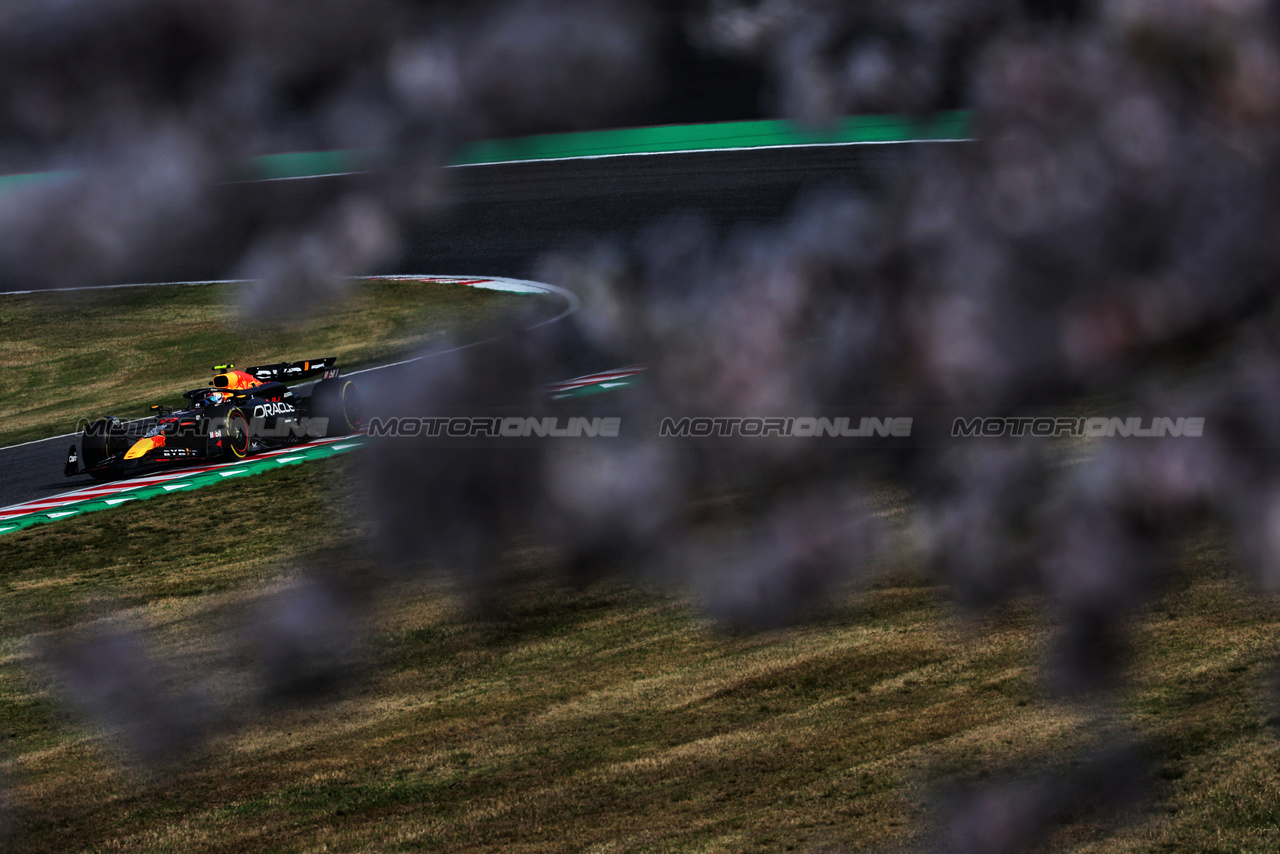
pixel 83 354
pixel 610 718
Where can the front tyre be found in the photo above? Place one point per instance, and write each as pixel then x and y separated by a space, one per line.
pixel 338 401
pixel 101 439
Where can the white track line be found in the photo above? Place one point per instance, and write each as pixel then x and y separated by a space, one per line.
pixel 611 155
pixel 298 177
pixel 63 436
pixel 38 441
pixel 569 296
pixel 113 287
pixel 729 149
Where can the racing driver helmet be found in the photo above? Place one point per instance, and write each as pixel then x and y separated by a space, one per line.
pixel 213 398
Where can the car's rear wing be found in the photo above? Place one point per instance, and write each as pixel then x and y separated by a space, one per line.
pixel 293 371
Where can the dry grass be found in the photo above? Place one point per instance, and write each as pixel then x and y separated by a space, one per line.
pixel 611 718
pixel 71 355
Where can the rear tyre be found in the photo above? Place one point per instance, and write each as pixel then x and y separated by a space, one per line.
pixel 339 401
pixel 236 441
pixel 101 439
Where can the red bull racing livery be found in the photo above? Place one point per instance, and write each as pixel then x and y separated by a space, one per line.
pixel 238 414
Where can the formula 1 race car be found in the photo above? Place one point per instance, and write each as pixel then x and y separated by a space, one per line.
pixel 240 413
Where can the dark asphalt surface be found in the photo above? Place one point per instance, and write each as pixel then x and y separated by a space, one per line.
pixel 508 216
pixel 32 471
pixel 504 218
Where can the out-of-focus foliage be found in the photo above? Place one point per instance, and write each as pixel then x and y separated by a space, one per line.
pixel 1111 223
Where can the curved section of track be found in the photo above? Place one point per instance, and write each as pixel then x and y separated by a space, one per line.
pixel 508 216
pixel 33 489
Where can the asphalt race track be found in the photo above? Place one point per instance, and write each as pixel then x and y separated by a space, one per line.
pixel 506 217
pixel 29 474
